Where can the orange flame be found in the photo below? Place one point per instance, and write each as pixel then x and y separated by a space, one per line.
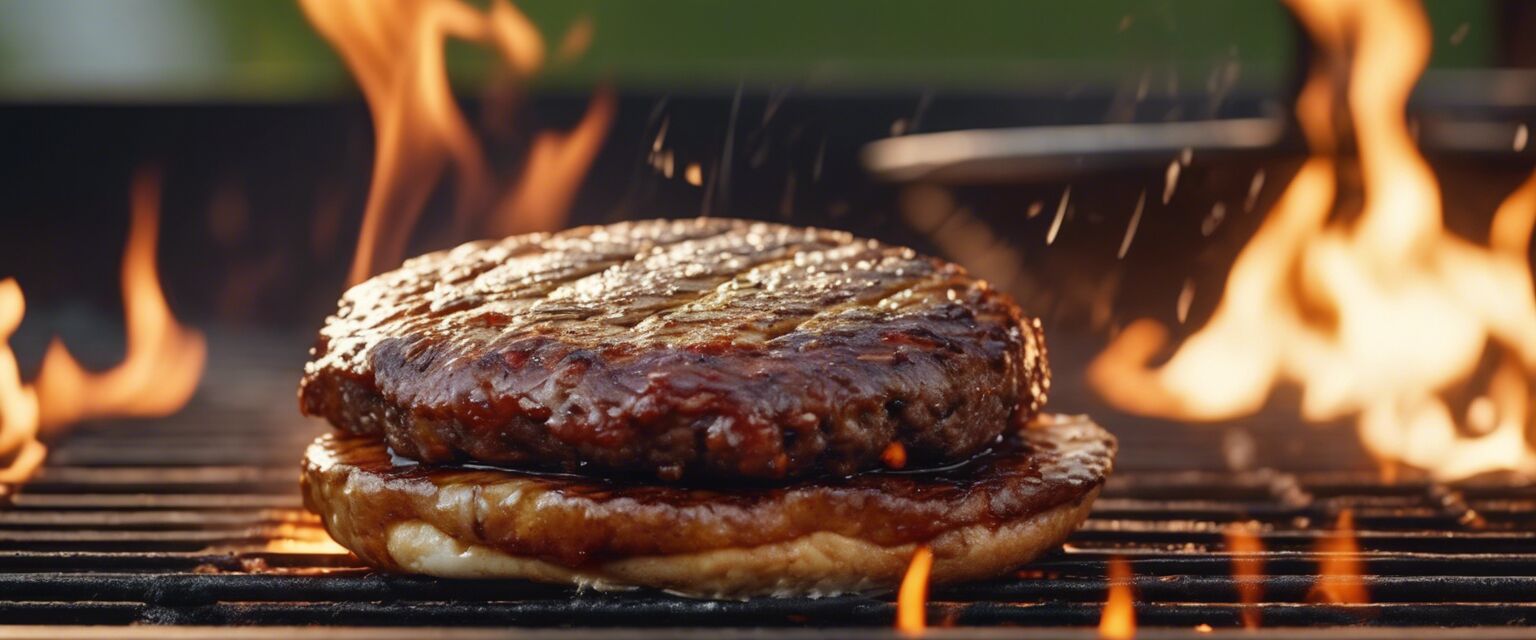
pixel 396 52
pixel 164 360
pixel 1339 566
pixel 18 402
pixel 912 599
pixel 158 375
pixel 1118 621
pixel 1376 319
pixel 556 164
pixel 1247 569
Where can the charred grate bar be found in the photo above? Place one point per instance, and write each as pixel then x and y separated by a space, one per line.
pixel 195 521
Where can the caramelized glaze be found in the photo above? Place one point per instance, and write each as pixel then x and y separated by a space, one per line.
pixel 709 348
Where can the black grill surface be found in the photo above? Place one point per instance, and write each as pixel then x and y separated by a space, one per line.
pixel 194 521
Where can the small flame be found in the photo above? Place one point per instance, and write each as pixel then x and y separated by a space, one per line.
pixel 912 599
pixel 1379 318
pixel 300 533
pixel 396 51
pixel 164 360
pixel 1118 621
pixel 1339 566
pixel 158 375
pixel 1247 569
pixel 18 402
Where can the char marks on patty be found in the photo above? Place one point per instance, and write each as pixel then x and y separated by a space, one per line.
pixel 706 347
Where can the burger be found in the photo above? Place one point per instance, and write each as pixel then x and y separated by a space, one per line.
pixel 712 407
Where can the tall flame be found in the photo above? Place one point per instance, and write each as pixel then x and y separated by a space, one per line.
pixel 912 598
pixel 396 52
pixel 1339 568
pixel 556 164
pixel 1378 318
pixel 1118 622
pixel 164 360
pixel 157 376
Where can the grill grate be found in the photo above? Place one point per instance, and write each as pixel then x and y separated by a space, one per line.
pixel 195 520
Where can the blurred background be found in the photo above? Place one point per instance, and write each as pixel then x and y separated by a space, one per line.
pixel 264 144
pixel 1282 250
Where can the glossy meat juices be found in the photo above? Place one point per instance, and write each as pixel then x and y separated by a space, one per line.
pixel 714 348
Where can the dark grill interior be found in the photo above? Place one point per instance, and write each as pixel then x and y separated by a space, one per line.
pixel 196 520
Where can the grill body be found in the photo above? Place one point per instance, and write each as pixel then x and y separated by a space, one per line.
pixel 193 521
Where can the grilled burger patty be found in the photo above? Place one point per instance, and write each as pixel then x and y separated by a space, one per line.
pixel 982 518
pixel 706 347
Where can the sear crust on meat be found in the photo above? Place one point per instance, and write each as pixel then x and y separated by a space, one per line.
pixel 982 518
pixel 698 348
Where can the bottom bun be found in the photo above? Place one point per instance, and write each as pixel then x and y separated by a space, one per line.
pixel 823 537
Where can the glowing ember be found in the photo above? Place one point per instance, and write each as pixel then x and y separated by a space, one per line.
pixel 912 599
pixel 1379 318
pixel 1339 566
pixel 164 360
pixel 1118 621
pixel 159 373
pixel 396 52
pixel 1247 569
pixel 894 456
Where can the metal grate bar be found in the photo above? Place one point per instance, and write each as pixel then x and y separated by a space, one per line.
pixel 195 520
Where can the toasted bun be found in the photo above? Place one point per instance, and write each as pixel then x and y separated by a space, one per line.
pixel 811 538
